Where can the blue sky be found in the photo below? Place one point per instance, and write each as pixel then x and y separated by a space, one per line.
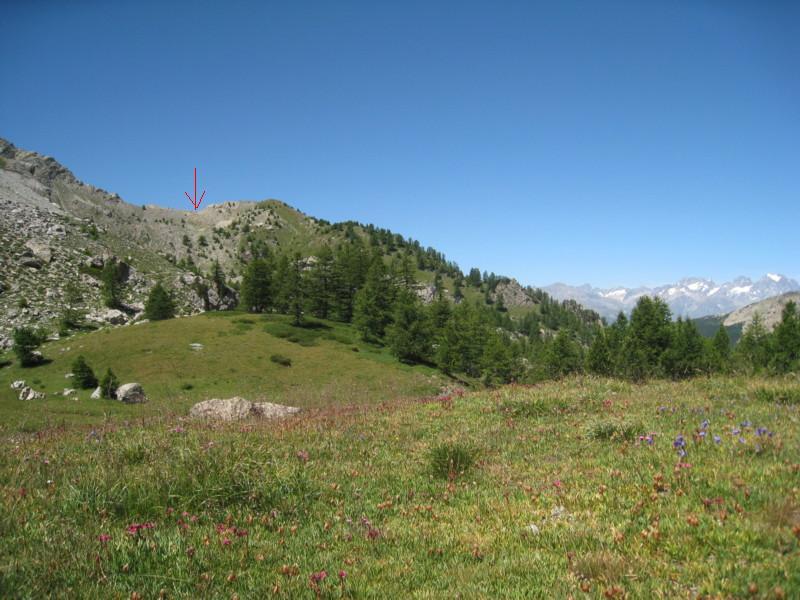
pixel 602 142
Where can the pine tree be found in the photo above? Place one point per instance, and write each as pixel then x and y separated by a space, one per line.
pixel 474 277
pixel 685 355
pixel 218 278
pixel 373 303
pixel 82 374
pixel 407 272
pixel 109 384
pixel 563 355
pixel 753 350
pixel 599 360
pixel 294 287
pixel 110 284
pixel 320 284
pixel 720 351
pixel 648 337
pixel 256 288
pixel 786 341
pixel 461 342
pixel 498 363
pixel 26 341
pixel 409 336
pixel 159 305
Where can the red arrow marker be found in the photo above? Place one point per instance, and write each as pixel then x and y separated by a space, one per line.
pixel 195 202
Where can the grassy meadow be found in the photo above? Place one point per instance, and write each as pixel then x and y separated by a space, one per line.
pixel 582 488
pixel 329 365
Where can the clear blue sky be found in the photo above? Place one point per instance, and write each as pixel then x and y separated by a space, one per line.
pixel 603 142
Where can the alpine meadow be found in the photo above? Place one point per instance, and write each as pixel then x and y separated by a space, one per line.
pixel 381 385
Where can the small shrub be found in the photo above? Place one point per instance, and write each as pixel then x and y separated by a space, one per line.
pixel 521 408
pixel 109 385
pixel 83 376
pixel 611 430
pixel 451 459
pixel 280 359
pixel 187 386
pixel 784 395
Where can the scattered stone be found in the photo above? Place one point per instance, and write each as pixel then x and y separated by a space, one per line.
pixel 68 392
pixel 30 394
pixel 31 262
pixel 97 393
pixel 18 385
pixel 196 346
pixel 131 393
pixel 112 316
pixel 234 409
pixel 533 529
pixel 68 375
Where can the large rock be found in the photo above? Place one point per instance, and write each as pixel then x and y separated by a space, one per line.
pixel 40 250
pixel 97 393
pixel 234 409
pixel 131 393
pixel 18 384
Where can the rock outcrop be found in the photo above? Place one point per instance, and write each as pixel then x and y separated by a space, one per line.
pixel 234 409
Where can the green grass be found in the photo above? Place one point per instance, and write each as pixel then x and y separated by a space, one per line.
pixel 540 508
pixel 234 361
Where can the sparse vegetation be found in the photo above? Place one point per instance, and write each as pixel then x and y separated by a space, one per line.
pixel 280 359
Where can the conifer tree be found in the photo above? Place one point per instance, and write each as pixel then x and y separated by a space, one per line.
pixel 26 341
pixel 685 355
pixel 218 278
pixel 720 351
pixel 320 284
pixel 460 344
pixel 562 355
pixel 159 305
pixel 373 303
pixel 599 360
pixel 256 291
pixel 648 337
pixel 82 374
pixel 110 284
pixel 498 360
pixel 109 384
pixel 409 336
pixel 753 350
pixel 294 287
pixel 786 341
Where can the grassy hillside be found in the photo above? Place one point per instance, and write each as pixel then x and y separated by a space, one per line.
pixel 330 365
pixel 585 488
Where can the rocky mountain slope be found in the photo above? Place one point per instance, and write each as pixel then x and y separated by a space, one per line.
pixel 691 297
pixel 770 311
pixel 57 233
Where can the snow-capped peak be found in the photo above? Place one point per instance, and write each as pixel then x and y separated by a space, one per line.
pixel 774 277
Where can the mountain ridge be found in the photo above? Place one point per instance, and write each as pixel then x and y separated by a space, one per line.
pixel 691 297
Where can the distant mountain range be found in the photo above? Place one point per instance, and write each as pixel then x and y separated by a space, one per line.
pixel 691 297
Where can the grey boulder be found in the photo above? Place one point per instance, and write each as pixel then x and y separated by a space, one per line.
pixel 131 393
pixel 234 409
